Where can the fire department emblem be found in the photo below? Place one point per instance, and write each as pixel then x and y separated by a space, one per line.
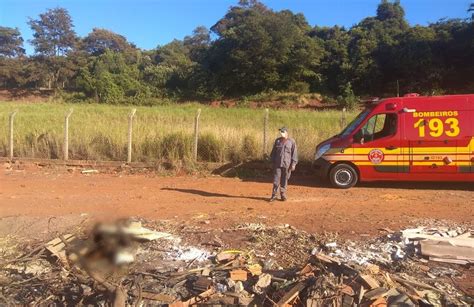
pixel 376 156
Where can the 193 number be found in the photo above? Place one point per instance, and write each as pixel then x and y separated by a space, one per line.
pixel 437 127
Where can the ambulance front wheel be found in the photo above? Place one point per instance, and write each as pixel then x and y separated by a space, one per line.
pixel 343 176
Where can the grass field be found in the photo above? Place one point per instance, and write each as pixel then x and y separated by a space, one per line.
pixel 99 132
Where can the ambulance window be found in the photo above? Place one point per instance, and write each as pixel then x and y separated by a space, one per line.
pixel 379 126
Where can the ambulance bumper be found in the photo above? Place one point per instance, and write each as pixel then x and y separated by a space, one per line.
pixel 321 166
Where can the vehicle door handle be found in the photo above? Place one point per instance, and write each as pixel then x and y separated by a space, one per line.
pixel 391 148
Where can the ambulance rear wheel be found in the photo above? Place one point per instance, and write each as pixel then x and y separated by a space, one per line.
pixel 343 176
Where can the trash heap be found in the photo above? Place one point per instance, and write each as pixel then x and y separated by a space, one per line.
pixel 125 263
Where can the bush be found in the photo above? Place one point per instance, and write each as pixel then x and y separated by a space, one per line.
pixel 176 146
pixel 348 99
pixel 43 145
pixel 299 87
pixel 210 148
pixel 72 97
pixel 250 148
pixel 103 147
pixel 149 149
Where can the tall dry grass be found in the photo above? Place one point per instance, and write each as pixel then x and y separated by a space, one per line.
pixel 99 132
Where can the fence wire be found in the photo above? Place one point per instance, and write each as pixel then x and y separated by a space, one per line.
pixel 150 135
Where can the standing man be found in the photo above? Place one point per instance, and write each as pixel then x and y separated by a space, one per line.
pixel 284 158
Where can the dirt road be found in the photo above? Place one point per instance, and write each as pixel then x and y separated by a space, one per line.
pixel 221 202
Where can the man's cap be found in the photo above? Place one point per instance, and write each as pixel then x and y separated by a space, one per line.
pixel 283 129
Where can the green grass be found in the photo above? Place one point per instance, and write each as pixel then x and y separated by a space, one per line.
pixel 99 132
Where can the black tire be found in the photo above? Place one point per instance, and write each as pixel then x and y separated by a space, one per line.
pixel 343 176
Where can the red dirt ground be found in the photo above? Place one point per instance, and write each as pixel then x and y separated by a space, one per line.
pixel 43 193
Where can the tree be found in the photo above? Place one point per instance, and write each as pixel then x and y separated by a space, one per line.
pixel 454 52
pixel 390 10
pixel 173 68
pixel 259 50
pixel 100 40
pixel 53 32
pixel 53 39
pixel 413 62
pixel 11 42
pixel 251 49
pixel 108 78
pixel 335 65
pixel 370 40
pixel 198 83
pixel 198 43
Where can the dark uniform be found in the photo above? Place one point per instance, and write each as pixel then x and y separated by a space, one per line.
pixel 284 155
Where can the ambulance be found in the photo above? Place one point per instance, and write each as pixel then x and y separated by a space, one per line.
pixel 410 138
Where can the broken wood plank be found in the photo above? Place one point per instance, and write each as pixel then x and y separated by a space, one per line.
pixel 414 283
pixel 376 293
pixel 155 296
pixel 201 297
pixel 57 247
pixel 202 284
pixel 369 281
pixel 380 302
pixel 194 300
pixel 347 290
pixel 308 269
pixel 290 295
pixel 327 259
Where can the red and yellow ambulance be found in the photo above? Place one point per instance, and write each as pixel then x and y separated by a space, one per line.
pixel 410 138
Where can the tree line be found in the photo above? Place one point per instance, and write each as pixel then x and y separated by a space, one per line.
pixel 251 50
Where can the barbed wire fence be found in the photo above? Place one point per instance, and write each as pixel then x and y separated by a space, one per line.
pixel 203 147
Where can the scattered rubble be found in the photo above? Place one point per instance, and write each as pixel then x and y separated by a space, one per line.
pixel 126 263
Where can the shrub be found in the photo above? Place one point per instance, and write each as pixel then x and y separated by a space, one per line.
pixel 149 149
pixel 299 87
pixel 104 147
pixel 348 99
pixel 248 150
pixel 43 145
pixel 176 146
pixel 250 147
pixel 210 148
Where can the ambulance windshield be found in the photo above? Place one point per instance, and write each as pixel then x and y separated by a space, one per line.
pixel 356 122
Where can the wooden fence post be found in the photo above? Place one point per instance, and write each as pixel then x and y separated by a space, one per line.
pixel 10 137
pixel 66 135
pixel 265 133
pixel 130 127
pixel 196 134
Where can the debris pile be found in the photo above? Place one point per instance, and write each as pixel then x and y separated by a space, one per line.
pixel 125 263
